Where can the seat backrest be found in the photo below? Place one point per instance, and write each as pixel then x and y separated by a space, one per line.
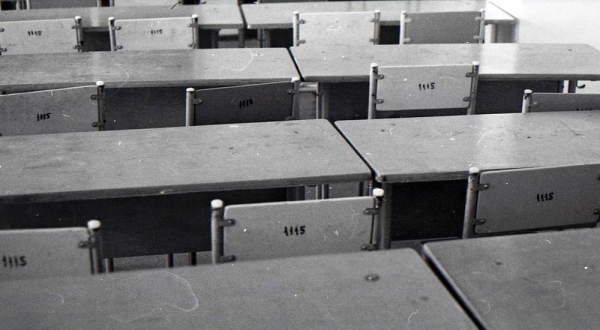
pixel 154 33
pixel 542 102
pixel 40 253
pixel 40 4
pixel 287 229
pixel 41 37
pixel 422 87
pixel 51 111
pixel 250 103
pixel 532 199
pixel 345 28
pixel 442 27
pixel 240 104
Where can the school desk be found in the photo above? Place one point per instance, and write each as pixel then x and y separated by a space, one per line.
pixel 379 290
pixel 505 71
pixel 276 18
pixel 423 163
pixel 146 89
pixel 534 281
pixel 211 18
pixel 151 188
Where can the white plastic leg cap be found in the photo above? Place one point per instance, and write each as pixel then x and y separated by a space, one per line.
pixel 377 192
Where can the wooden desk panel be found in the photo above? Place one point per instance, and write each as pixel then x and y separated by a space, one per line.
pixel 145 162
pixel 168 68
pixel 443 148
pixel 319 292
pixel 532 281
pixel 152 188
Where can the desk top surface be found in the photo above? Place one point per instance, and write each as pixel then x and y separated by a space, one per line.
pixel 443 148
pixel 320 292
pixel 175 160
pixel 279 15
pixel 530 281
pixel 210 16
pixel 497 61
pixel 184 68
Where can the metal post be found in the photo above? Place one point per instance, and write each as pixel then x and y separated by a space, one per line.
pixel 101 105
pixel 216 230
pixel 403 22
pixel 79 32
pixel 296 28
pixel 295 96
pixel 377 22
pixel 189 107
pixel 474 83
pixel 195 32
pixel 111 30
pixel 385 220
pixel 96 245
pixel 373 90
pixel 572 86
pixel 526 101
pixel 375 233
pixel 471 202
pixel 481 36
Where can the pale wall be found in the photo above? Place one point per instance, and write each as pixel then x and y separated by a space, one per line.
pixel 557 21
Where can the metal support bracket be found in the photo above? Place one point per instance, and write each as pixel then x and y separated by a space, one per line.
pixel 86 244
pixel 223 259
pixel 226 223
pixel 482 186
pixel 371 211
pixel 369 247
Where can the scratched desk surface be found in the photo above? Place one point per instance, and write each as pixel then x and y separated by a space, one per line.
pixel 184 68
pixel 319 292
pixel 211 16
pixel 497 61
pixel 533 281
pixel 148 162
pixel 443 148
pixel 279 15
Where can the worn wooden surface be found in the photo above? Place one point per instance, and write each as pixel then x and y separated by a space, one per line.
pixel 497 61
pixel 443 148
pixel 210 16
pixel 279 15
pixel 76 166
pixel 183 68
pixel 534 281
pixel 318 292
